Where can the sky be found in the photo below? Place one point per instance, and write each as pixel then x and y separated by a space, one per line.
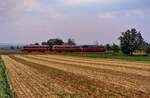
pixel 85 21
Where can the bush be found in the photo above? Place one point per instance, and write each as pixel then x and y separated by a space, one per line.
pixel 115 48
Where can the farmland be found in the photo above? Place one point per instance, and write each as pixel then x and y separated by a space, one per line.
pixel 108 55
pixel 58 76
pixel 5 91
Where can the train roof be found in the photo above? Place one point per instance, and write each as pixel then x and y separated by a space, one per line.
pixel 35 46
pixel 65 46
pixel 92 46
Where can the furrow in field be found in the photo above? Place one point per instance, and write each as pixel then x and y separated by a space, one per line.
pixel 34 82
pixel 58 90
pixel 130 79
pixel 101 66
pixel 103 61
pixel 30 82
pixel 104 70
pixel 81 84
pixel 138 66
pixel 18 85
pixel 131 65
pixel 133 84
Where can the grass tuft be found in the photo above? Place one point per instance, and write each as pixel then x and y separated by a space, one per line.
pixel 5 91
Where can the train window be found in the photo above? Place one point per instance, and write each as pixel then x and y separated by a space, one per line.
pixel 84 46
pixel 90 46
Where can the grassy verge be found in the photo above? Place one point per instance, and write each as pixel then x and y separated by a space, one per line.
pixel 108 55
pixel 5 91
pixel 9 51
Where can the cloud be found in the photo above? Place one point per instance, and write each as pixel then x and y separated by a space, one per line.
pixel 31 5
pixel 140 14
pixel 88 2
pixel 27 5
pixel 35 20
pixel 3 4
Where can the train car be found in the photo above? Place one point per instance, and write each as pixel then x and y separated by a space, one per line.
pixel 92 48
pixel 35 48
pixel 63 48
pixel 66 48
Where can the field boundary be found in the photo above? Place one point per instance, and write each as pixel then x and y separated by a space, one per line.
pixel 5 86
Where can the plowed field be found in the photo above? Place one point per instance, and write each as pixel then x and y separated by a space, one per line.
pixel 53 76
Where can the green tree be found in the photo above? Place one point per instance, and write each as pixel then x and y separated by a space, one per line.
pixel 147 49
pixel 71 42
pixel 55 41
pixel 115 48
pixel 36 44
pixel 143 46
pixel 130 41
pixel 12 47
pixel 44 43
pixel 108 47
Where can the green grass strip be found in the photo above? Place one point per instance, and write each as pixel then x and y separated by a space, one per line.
pixel 107 55
pixel 5 91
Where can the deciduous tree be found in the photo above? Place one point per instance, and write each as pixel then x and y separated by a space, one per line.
pixel 55 41
pixel 130 41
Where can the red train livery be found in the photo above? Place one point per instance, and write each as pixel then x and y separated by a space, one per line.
pixel 92 48
pixel 63 48
pixel 35 48
pixel 66 48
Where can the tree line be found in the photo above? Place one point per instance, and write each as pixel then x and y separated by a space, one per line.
pixel 130 41
pixel 58 41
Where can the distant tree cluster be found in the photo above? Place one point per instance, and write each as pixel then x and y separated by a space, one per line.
pixel 108 47
pixel 14 47
pixel 71 42
pixel 44 43
pixel 115 48
pixel 147 49
pixel 57 41
pixel 132 40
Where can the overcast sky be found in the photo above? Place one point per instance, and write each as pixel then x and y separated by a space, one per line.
pixel 86 21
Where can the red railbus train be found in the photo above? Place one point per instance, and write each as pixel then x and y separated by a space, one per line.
pixel 66 48
pixel 35 48
pixel 92 48
pixel 63 48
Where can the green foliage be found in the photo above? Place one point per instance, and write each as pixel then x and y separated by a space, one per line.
pixel 44 43
pixel 147 49
pixel 5 91
pixel 55 41
pixel 12 47
pixel 71 42
pixel 130 41
pixel 109 55
pixel 115 48
pixel 36 44
pixel 108 47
